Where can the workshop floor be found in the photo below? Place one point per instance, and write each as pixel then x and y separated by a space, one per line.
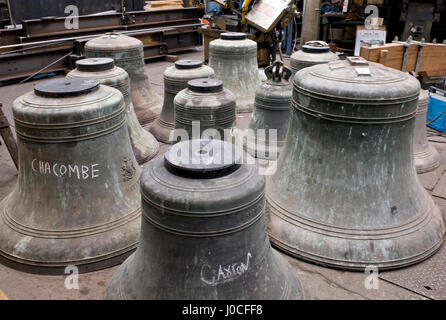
pixel 318 282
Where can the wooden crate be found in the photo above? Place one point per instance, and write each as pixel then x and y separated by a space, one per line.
pixel 163 5
pixel 433 59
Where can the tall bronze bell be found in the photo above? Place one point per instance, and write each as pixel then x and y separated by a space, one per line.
pixel 205 103
pixel 203 232
pixel 128 55
pixel 145 147
pixel 77 197
pixel 346 193
pixel 426 158
pixel 271 112
pixel 234 60
pixel 312 53
pixel 175 80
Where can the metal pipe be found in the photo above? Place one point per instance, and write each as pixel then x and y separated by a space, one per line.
pixel 10 13
pixel 132 32
pixel 51 64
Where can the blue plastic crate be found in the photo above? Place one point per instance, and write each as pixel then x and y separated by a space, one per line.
pixel 436 114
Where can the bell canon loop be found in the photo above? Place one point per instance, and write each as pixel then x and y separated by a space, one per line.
pixel 204 109
pixel 175 80
pixel 203 233
pixel 346 193
pixel 312 53
pixel 76 201
pixel 128 54
pixel 145 147
pixel 267 131
pixel 234 60
pixel 426 157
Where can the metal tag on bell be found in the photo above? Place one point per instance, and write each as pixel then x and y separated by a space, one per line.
pixel 346 193
pixel 203 233
pixel 128 55
pixel 145 146
pixel 204 110
pixel 312 53
pixel 426 158
pixel 77 199
pixel 269 122
pixel 175 80
pixel 234 60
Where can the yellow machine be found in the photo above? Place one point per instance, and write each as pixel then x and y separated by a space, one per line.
pixel 259 19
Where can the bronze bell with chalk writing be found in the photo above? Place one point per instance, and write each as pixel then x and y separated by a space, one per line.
pixel 203 231
pixel 346 193
pixel 128 54
pixel 77 199
pixel 145 146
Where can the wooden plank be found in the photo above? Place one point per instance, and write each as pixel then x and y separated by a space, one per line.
pixel 8 138
pixel 433 59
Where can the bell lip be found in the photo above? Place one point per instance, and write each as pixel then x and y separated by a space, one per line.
pixel 95 64
pixel 205 85
pixel 196 165
pixel 66 87
pixel 188 64
pixel 233 36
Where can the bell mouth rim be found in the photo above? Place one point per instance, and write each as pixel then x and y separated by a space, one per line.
pixel 205 85
pixel 203 158
pixel 66 87
pixel 233 36
pixel 188 64
pixel 95 64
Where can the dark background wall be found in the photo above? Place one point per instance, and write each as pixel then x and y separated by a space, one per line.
pixel 35 9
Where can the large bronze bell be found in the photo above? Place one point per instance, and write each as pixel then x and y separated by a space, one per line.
pixel 312 53
pixel 206 109
pixel 128 55
pixel 145 147
pixel 426 158
pixel 77 199
pixel 175 80
pixel 271 113
pixel 234 60
pixel 203 232
pixel 346 193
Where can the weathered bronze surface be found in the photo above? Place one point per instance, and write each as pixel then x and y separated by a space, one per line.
pixel 234 60
pixel 207 103
pixel 128 55
pixel 203 232
pixel 346 193
pixel 312 53
pixel 175 80
pixel 426 158
pixel 271 112
pixel 76 201
pixel 144 145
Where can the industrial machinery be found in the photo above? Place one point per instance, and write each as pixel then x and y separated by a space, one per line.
pixel 261 20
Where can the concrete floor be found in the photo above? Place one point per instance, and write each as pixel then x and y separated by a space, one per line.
pixel 318 282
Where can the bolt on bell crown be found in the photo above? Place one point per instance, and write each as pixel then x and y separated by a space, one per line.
pixel 312 53
pixel 271 114
pixel 175 79
pixel 144 145
pixel 426 157
pixel 76 201
pixel 205 108
pixel 203 213
pixel 346 193
pixel 234 60
pixel 128 54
